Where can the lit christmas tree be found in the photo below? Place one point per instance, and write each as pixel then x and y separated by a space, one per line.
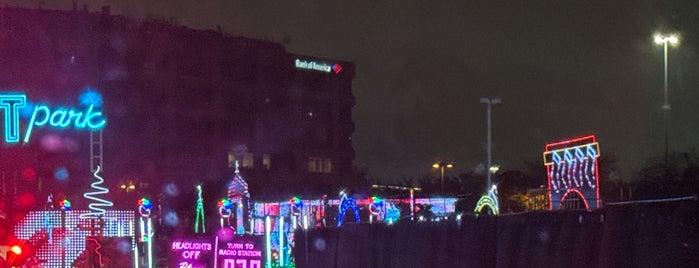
pixel 97 206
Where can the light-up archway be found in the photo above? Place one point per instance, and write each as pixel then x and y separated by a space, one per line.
pixel 572 200
pixel 490 201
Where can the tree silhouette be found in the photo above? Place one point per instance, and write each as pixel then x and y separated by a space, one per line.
pixel 678 175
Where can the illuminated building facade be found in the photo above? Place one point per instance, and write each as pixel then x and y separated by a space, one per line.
pixel 182 104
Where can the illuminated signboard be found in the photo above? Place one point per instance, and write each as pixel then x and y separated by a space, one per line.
pixel 12 104
pixel 241 251
pixel 318 66
pixel 192 253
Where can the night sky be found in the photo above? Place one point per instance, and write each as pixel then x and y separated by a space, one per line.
pixel 562 68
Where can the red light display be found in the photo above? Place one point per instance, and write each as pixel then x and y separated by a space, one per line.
pixel 572 170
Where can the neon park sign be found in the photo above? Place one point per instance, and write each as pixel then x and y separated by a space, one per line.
pixel 42 115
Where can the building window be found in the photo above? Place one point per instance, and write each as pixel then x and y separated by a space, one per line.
pixel 244 160
pixel 327 165
pixel 266 161
pixel 231 160
pixel 319 165
pixel 312 163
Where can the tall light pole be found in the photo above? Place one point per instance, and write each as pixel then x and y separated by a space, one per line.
pixel 441 165
pixel 665 40
pixel 489 102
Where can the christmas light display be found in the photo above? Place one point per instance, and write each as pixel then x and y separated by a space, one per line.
pixel 347 203
pixel 489 200
pixel 376 209
pixel 144 207
pixel 65 205
pixel 320 212
pixel 146 230
pixel 239 195
pixel 199 213
pixel 392 213
pixel 96 208
pixel 268 241
pixel 297 215
pixel 225 210
pixel 97 250
pixel 571 167
pixel 412 204
pixel 69 237
pixel 281 241
pixel 47 219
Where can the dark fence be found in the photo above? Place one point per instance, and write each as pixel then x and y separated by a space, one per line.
pixel 654 234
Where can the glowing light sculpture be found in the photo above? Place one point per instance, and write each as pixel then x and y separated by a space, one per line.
pixel 97 209
pixel 412 204
pixel 297 215
pixel 571 167
pixel 268 241
pixel 97 248
pixel 47 219
pixel 392 213
pixel 281 242
pixel 64 247
pixel 65 205
pixel 146 228
pixel 347 203
pixel 239 195
pixel 376 209
pixel 199 213
pixel 489 200
pixel 225 210
pixel 320 212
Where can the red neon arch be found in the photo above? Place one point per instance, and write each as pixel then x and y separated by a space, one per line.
pixel 587 207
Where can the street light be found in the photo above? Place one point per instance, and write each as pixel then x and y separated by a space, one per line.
pixel 665 40
pixel 489 102
pixel 494 169
pixel 128 186
pixel 441 165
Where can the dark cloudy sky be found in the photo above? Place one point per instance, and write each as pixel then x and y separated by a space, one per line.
pixel 562 68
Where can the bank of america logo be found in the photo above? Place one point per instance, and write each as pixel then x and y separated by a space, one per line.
pixel 337 68
pixel 318 66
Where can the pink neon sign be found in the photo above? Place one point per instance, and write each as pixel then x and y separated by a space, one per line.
pixel 195 253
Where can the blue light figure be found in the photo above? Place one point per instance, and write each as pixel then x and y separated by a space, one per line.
pixel 345 203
